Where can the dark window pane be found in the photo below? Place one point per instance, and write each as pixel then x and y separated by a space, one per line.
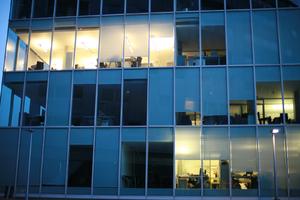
pixel 113 6
pixel 135 102
pixel 134 6
pixel 21 9
pixel 187 5
pixel 212 4
pixel 161 6
pixel 237 4
pixel 89 7
pixel 43 8
pixel 263 4
pixel 288 3
pixel 66 8
pixel 109 105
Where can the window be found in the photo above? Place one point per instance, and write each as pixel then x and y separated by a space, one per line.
pixel 188 164
pixel 113 6
pixel 35 99
pixel 291 83
pixel 11 99
pixel 161 6
pixel 22 50
pixel 63 49
pixel 21 9
pixel 212 5
pixel 263 4
pixel 214 96
pixel 187 33
pixel 140 6
pixel 136 41
pixel 133 161
pixel 213 39
pixel 161 41
pixel 66 8
pixel 84 93
pixel 59 98
pixel 111 45
pixel 160 161
pixel 239 38
pixel 237 4
pixel 288 3
pixel 135 102
pixel 265 40
pixel 43 8
pixel 87 48
pixel 187 97
pixel 241 95
pixel 187 5
pixel 89 7
pixel 269 99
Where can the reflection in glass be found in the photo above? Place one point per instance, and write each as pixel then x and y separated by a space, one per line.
pixel 21 9
pixel 111 45
pixel 87 48
pixel 241 94
pixel 112 6
pixel 136 41
pixel 187 34
pixel 237 4
pixel 11 50
pixel 22 50
pixel 212 5
pixel 134 6
pixel 268 92
pixel 161 6
pixel 161 41
pixel 213 39
pixel 188 164
pixel 66 8
pixel 187 5
pixel 263 4
pixel 288 3
pixel 89 7
pixel 43 8
pixel 63 49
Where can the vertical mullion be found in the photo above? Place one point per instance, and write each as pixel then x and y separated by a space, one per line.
pixel 174 100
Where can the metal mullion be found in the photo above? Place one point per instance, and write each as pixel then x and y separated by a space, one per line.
pixel 174 101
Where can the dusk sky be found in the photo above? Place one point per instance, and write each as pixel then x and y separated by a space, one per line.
pixel 4 13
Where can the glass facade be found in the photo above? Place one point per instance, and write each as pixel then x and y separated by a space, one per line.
pixel 151 99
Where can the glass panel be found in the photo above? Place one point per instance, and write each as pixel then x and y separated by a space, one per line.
pixel 161 41
pixel 134 6
pixel 55 160
pixel 263 3
pixel 106 162
pixel 213 39
pixel 187 97
pixel 133 161
pixel 188 164
pixel 160 161
pixel 216 162
pixel 22 50
pixel 87 48
pixel 268 92
pixel 35 100
pixel 84 93
pixel 43 8
pixel 135 102
pixel 239 38
pixel 289 28
pixel 291 82
pixel 21 9
pixel 212 5
pixel 59 98
pixel 39 52
pixel 214 96
pixel 63 49
pixel 187 5
pixel 293 140
pixel 161 100
pixel 136 41
pixel 11 99
pixel 265 39
pixel 66 8
pixel 288 3
pixel 237 4
pixel 241 93
pixel 89 7
pixel 113 7
pixel 161 6
pixel 8 155
pixel 187 35
pixel 111 46
pixel 244 162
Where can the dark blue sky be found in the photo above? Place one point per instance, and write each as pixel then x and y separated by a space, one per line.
pixel 4 13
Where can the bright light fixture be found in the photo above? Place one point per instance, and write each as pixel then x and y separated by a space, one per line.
pixel 275 130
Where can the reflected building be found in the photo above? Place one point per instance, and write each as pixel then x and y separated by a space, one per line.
pixel 173 99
